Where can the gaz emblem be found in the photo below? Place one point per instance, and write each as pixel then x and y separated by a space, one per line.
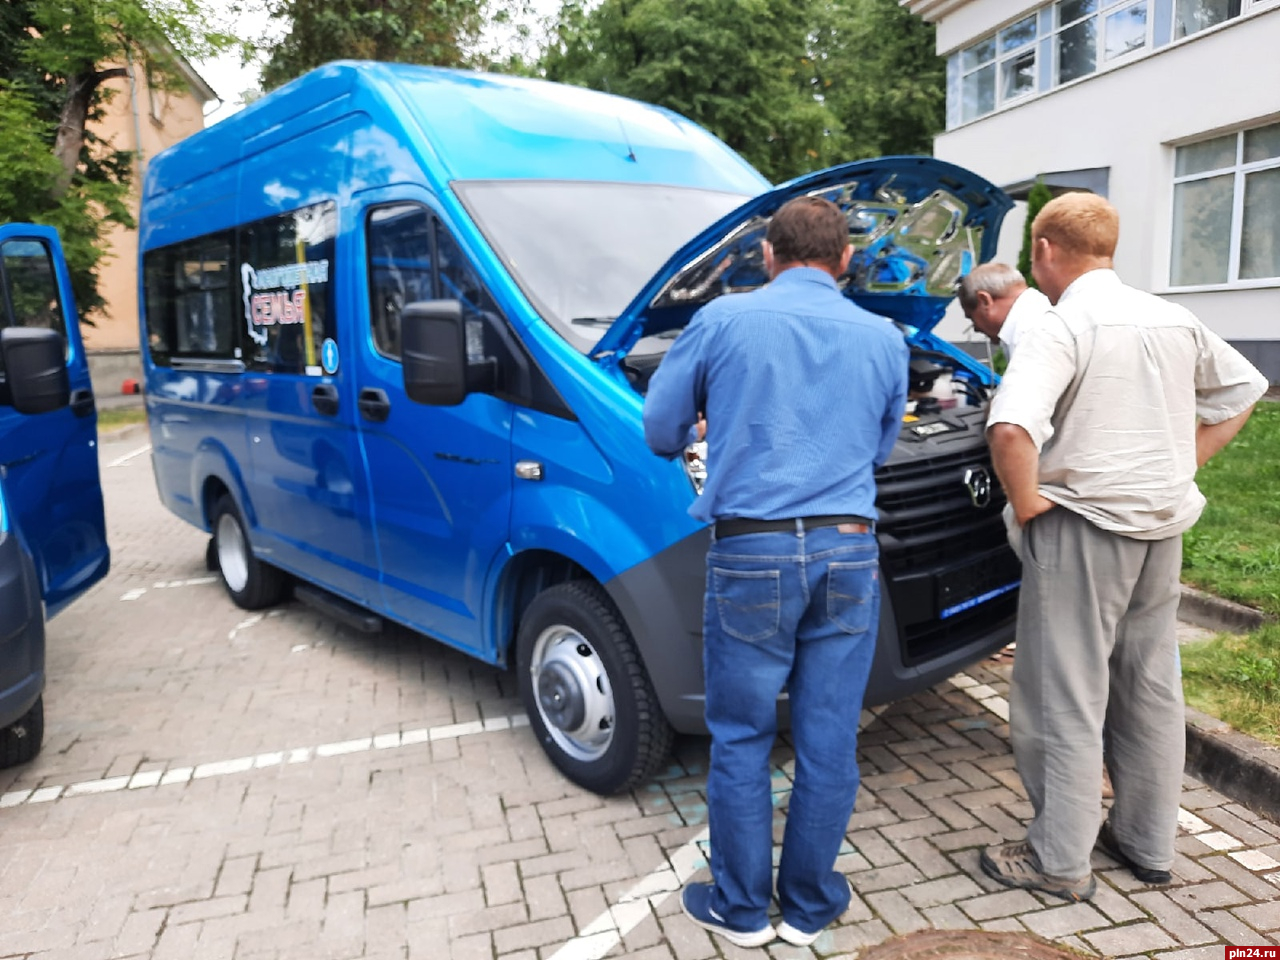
pixel 978 482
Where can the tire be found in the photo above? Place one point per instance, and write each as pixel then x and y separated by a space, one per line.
pixel 250 583
pixel 590 702
pixel 21 741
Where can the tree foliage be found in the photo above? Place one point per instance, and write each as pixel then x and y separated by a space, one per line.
pixel 792 85
pixel 441 32
pixel 1038 196
pixel 56 57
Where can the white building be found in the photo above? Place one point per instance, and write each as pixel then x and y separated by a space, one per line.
pixel 1169 108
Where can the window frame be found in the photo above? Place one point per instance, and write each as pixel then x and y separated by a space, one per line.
pixel 1240 170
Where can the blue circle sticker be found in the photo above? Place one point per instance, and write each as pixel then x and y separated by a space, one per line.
pixel 329 356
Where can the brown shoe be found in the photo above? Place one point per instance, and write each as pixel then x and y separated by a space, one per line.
pixel 1107 843
pixel 1016 865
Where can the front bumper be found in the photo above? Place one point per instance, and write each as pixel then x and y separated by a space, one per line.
pixel 662 601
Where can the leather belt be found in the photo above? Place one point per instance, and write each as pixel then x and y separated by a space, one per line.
pixel 737 526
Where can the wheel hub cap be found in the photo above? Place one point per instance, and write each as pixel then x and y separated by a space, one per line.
pixel 575 700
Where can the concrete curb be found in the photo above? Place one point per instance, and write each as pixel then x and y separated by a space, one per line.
pixel 1214 613
pixel 1234 764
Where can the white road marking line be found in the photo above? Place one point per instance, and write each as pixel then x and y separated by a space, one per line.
pixel 224 768
pixel 1254 860
pixel 643 898
pixel 1187 820
pixel 189 582
pixel 1219 840
pixel 121 461
pixel 137 592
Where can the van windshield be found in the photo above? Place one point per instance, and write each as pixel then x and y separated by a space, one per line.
pixel 581 251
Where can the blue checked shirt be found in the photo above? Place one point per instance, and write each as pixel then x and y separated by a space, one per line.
pixel 803 393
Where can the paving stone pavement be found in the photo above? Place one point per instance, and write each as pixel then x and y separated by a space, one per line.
pixel 222 785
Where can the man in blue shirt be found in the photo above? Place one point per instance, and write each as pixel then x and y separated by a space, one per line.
pixel 803 394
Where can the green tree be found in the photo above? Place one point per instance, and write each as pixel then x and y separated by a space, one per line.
pixel 443 33
pixel 741 68
pixel 792 85
pixel 1036 198
pixel 56 57
pixel 879 74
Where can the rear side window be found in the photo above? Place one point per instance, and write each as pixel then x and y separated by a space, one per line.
pixel 190 293
pixel 286 270
pixel 30 286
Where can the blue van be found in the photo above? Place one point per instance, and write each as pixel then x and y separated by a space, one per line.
pixel 53 543
pixel 398 323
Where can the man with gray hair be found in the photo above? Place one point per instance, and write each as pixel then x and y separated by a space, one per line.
pixel 997 301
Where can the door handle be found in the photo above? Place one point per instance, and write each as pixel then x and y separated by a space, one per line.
pixel 325 399
pixel 82 402
pixel 374 404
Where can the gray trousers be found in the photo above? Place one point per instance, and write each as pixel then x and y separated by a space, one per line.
pixel 1098 657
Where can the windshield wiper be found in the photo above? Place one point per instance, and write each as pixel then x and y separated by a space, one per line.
pixel 593 321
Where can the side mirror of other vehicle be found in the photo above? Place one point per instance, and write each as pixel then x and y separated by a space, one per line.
pixel 442 354
pixel 35 370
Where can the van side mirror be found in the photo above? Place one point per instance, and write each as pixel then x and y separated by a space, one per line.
pixel 433 352
pixel 35 368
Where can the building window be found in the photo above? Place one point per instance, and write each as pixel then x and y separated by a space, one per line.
pixel 1226 209
pixel 999 69
pixel 1192 16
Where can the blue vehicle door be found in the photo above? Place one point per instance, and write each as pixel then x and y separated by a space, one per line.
pixel 441 477
pixel 49 461
pixel 306 482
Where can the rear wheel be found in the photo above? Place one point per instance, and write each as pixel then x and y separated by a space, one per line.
pixel 251 583
pixel 590 701
pixel 21 741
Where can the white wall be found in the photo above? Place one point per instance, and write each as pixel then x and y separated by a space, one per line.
pixel 1127 119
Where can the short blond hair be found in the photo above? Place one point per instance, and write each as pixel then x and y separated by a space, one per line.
pixel 1082 224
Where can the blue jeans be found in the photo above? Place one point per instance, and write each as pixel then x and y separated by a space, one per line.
pixel 798 611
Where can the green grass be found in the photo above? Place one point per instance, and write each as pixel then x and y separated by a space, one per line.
pixel 120 417
pixel 1234 552
pixel 1237 679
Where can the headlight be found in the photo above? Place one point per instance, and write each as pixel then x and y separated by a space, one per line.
pixel 695 464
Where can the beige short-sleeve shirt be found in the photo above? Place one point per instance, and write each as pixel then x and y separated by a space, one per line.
pixel 1109 385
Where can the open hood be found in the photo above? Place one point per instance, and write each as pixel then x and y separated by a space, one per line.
pixel 917 226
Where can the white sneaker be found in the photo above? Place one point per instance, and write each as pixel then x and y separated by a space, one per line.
pixel 798 938
pixel 794 937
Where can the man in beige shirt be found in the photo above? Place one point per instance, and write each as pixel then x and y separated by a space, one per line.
pixel 1113 400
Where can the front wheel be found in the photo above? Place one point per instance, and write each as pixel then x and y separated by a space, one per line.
pixel 251 583
pixel 590 701
pixel 21 741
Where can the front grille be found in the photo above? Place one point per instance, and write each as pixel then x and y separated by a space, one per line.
pixel 940 548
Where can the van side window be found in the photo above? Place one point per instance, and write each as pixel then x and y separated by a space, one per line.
pixel 30 295
pixel 400 257
pixel 190 309
pixel 286 293
pixel 458 281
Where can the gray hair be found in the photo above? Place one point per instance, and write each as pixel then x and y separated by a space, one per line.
pixel 997 279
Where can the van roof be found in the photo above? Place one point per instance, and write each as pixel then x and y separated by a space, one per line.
pixel 474 126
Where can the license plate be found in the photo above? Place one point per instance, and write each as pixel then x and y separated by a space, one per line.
pixel 966 587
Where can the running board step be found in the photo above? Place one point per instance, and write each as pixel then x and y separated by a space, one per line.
pixel 357 618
